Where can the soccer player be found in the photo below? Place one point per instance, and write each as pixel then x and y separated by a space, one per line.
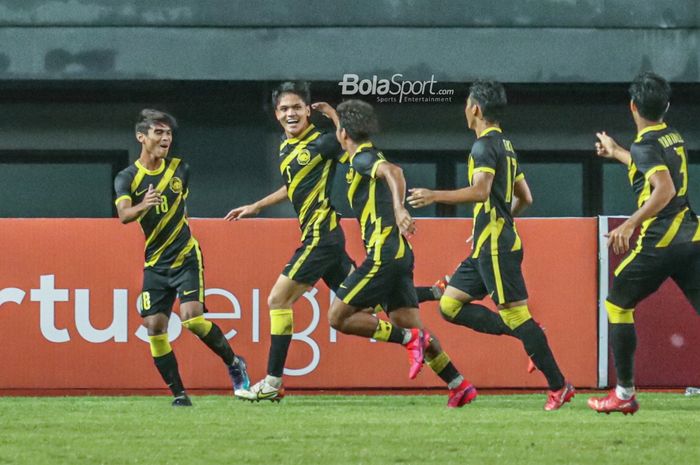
pixel 308 158
pixel 669 240
pixel 153 192
pixel 499 191
pixel 377 194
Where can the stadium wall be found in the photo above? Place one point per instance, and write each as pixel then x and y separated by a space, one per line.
pixel 69 318
pixel 73 73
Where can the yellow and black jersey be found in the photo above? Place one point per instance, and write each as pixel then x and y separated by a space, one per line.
pixel 307 165
pixel 493 230
pixel 168 238
pixel 371 202
pixel 660 148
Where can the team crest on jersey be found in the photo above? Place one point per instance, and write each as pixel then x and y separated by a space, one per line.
pixel 304 157
pixel 350 175
pixel 176 185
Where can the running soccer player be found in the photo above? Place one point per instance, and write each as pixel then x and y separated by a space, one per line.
pixel 499 191
pixel 153 192
pixel 376 193
pixel 308 158
pixel 669 240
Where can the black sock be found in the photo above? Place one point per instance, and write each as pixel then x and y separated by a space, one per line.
pixel 167 367
pixel 481 319
pixel 623 340
pixel 279 345
pixel 448 373
pixel 425 294
pixel 217 342
pixel 537 348
pixel 396 334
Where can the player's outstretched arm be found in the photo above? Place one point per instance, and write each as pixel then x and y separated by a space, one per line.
pixel 522 197
pixel 606 147
pixel 254 208
pixel 128 213
pixel 662 192
pixel 479 191
pixel 327 110
pixel 393 175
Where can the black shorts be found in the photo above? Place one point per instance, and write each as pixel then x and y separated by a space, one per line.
pixel 162 286
pixel 317 258
pixel 641 273
pixel 387 283
pixel 499 276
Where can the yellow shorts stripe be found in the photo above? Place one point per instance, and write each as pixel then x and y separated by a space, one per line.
pixel 498 279
pixel 300 261
pixel 363 282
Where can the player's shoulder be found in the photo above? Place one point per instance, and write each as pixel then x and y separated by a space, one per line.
pixel 128 172
pixel 181 164
pixel 326 137
pixel 366 155
pixel 646 143
pixel 483 146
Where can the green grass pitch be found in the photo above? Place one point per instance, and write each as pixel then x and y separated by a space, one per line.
pixel 307 430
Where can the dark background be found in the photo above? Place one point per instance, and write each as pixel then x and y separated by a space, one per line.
pixel 74 74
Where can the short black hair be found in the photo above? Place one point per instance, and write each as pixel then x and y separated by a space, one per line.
pixel 300 88
pixel 491 98
pixel 358 119
pixel 651 94
pixel 149 117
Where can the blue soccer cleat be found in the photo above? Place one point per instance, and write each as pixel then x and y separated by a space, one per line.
pixel 239 376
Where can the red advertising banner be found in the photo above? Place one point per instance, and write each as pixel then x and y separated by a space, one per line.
pixel 69 287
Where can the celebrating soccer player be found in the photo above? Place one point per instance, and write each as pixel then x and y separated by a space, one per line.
pixel 307 158
pixel 499 191
pixel 153 191
pixel 376 192
pixel 669 240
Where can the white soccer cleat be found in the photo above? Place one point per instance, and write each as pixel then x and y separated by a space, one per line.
pixel 262 391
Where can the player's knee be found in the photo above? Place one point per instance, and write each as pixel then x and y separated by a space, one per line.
pixel 191 310
pixel 336 318
pixel 449 307
pixel 619 315
pixel 515 316
pixel 198 325
pixel 279 299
